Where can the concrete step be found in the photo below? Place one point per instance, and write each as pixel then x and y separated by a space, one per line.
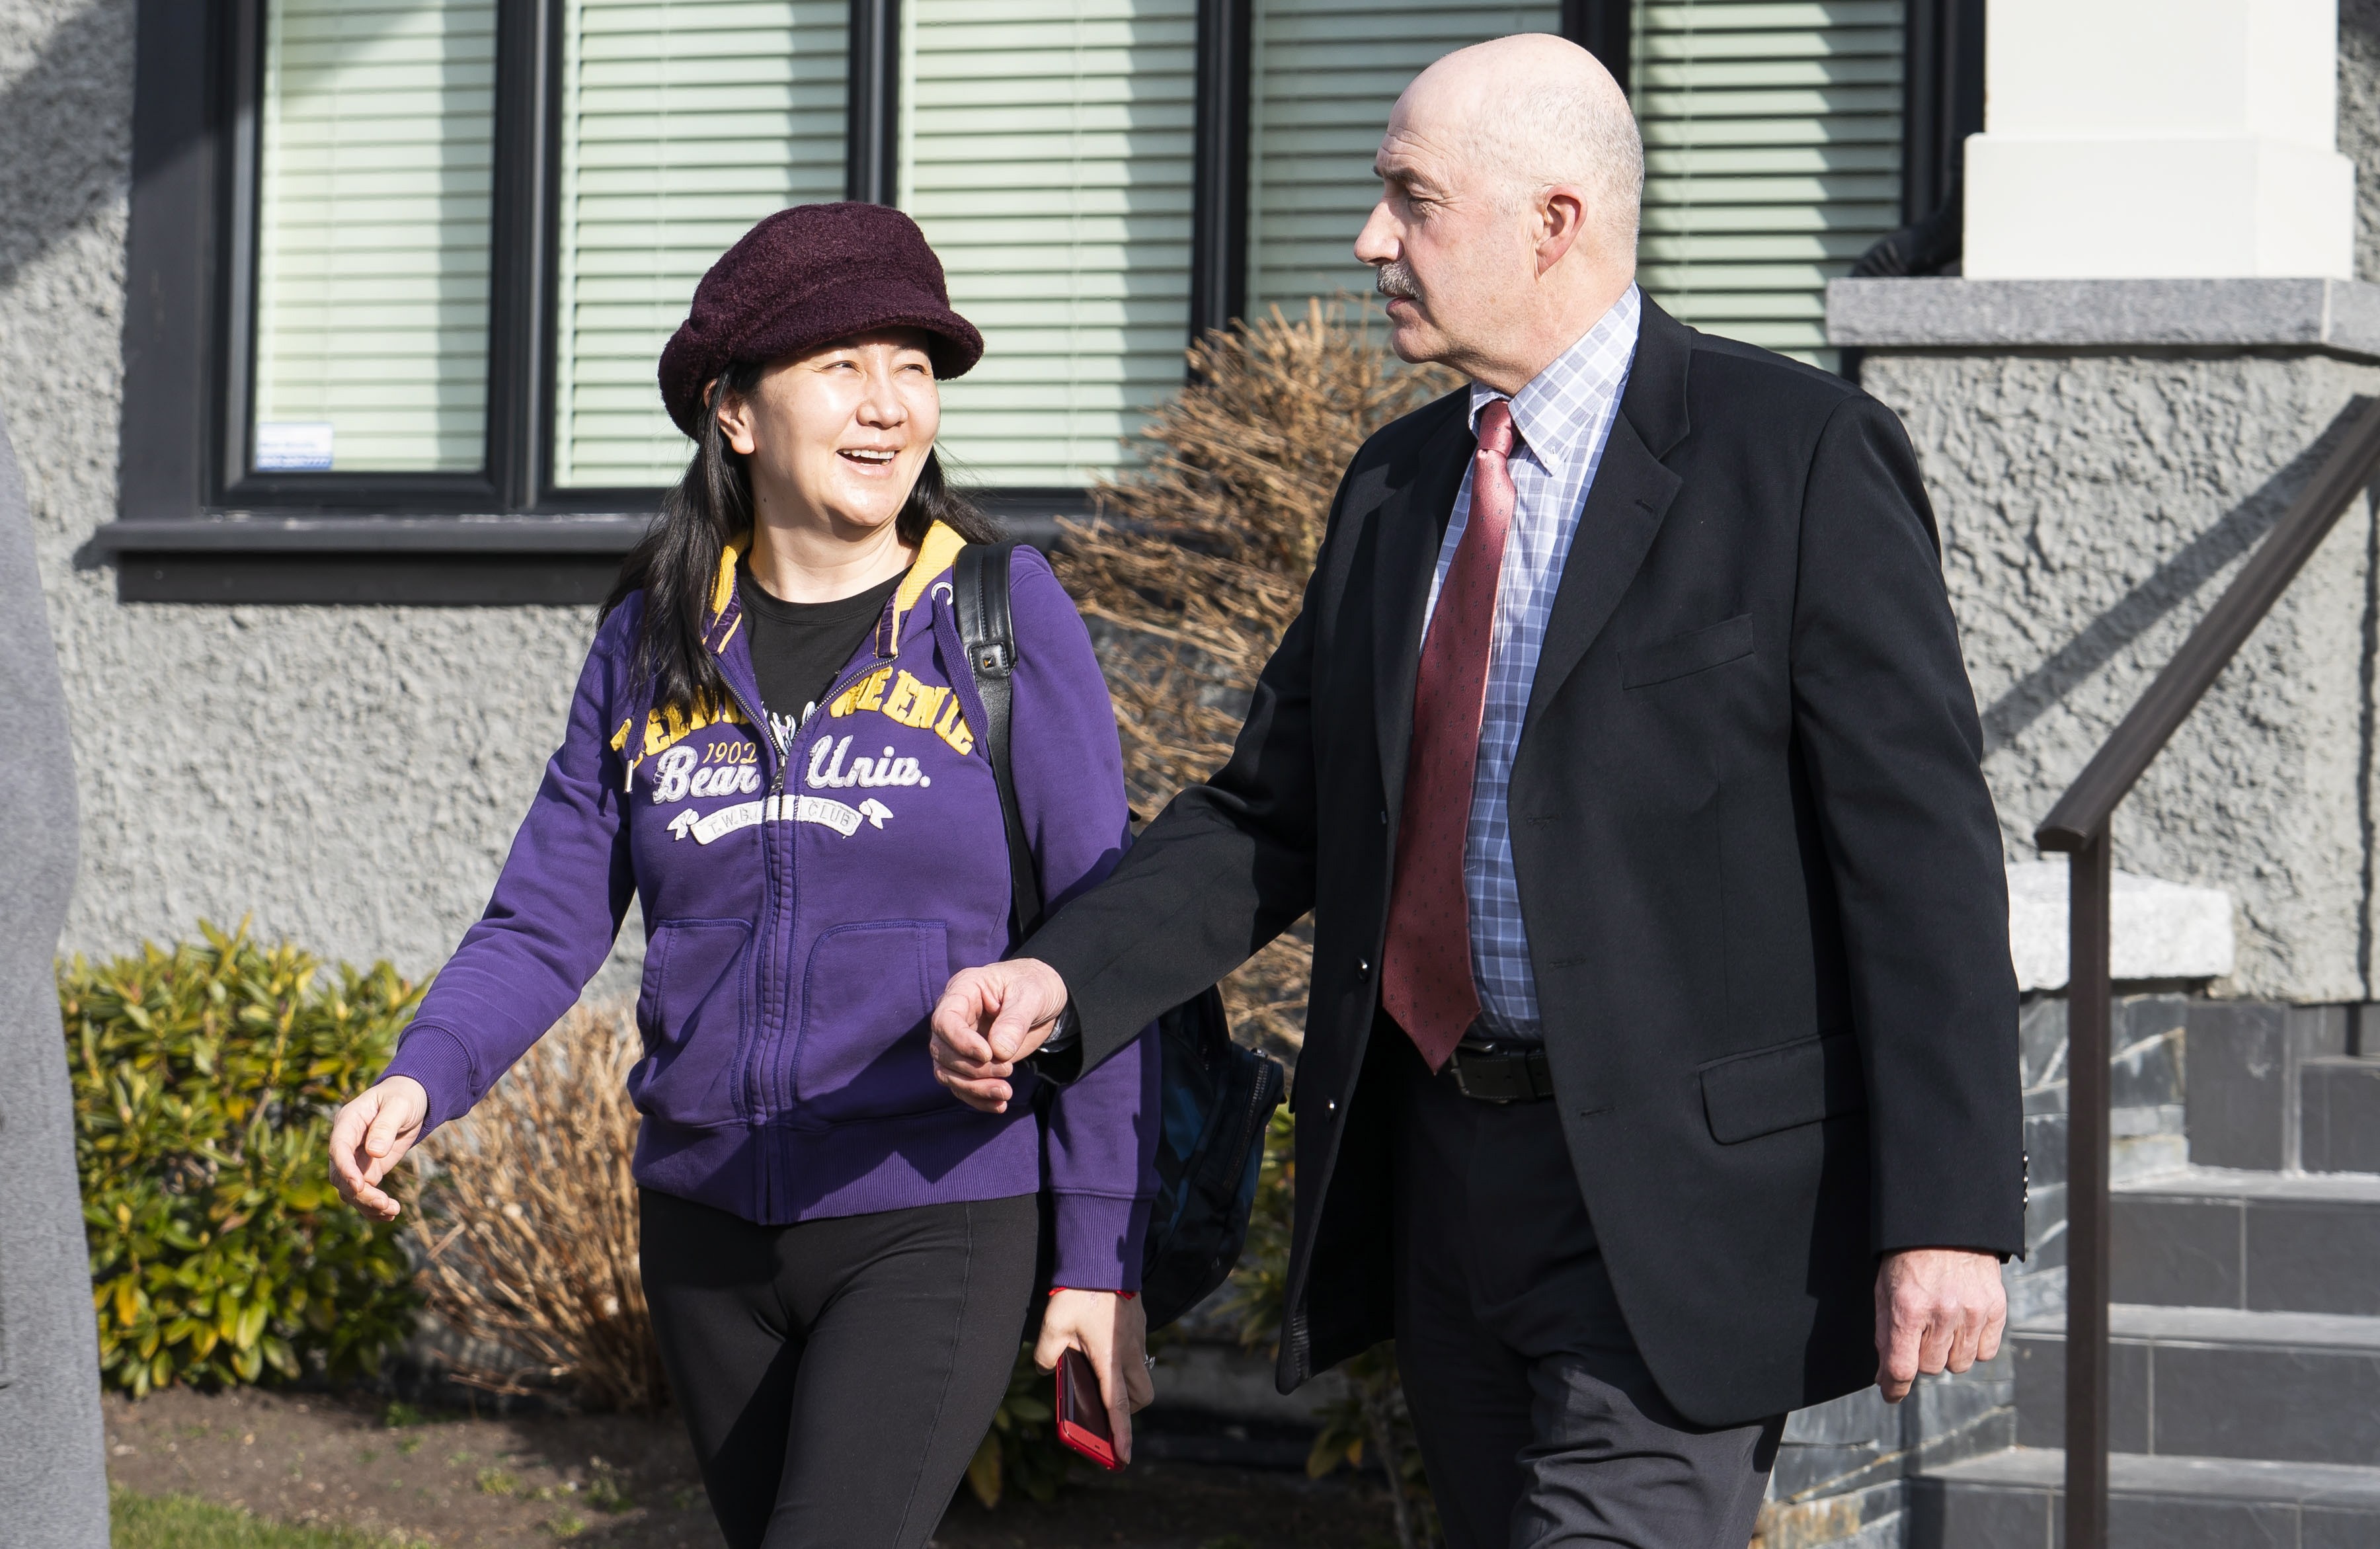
pixel 2255 1241
pixel 2014 1500
pixel 2217 1382
pixel 2339 1121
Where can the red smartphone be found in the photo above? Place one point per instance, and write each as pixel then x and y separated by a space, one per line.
pixel 1082 1413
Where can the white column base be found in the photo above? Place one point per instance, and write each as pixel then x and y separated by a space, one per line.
pixel 2058 208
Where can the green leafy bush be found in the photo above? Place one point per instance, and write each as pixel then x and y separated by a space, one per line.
pixel 204 1080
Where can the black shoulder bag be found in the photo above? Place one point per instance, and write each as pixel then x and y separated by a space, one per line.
pixel 1218 1097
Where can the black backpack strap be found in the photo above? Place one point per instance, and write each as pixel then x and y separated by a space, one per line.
pixel 979 594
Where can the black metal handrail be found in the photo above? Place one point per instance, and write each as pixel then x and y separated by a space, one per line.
pixel 2079 824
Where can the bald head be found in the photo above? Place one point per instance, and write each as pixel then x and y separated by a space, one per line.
pixel 1533 112
pixel 1509 178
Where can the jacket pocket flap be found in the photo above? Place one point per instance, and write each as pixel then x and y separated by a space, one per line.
pixel 1683 654
pixel 1773 1089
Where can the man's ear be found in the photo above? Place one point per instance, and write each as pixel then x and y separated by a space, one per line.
pixel 734 418
pixel 1561 217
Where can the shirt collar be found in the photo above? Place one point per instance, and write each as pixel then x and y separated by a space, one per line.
pixel 1556 411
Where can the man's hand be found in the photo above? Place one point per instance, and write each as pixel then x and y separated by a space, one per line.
pixel 370 1136
pixel 1937 1310
pixel 989 1019
pixel 1113 1334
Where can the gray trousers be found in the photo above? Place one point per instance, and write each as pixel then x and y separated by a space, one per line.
pixel 1538 1421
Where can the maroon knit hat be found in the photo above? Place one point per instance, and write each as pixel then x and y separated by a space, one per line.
pixel 805 277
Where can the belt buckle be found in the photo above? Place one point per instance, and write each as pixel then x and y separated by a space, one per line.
pixel 1464 1087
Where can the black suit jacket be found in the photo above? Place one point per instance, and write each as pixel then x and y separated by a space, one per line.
pixel 1761 874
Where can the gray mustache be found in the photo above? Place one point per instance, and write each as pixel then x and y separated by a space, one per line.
pixel 1395 281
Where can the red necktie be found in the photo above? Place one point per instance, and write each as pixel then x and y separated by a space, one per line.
pixel 1426 968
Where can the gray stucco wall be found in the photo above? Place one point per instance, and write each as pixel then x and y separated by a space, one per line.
pixel 2093 504
pixel 350 776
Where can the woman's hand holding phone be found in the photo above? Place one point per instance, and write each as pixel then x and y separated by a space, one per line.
pixel 1112 1333
pixel 370 1136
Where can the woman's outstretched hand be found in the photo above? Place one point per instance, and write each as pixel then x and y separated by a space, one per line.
pixel 367 1138
pixel 1112 1333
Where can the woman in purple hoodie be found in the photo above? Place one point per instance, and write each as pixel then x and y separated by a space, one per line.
pixel 776 750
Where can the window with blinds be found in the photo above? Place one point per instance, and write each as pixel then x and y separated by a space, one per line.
pixel 375 180
pixel 683 123
pixel 1045 151
pixel 1772 158
pixel 1323 74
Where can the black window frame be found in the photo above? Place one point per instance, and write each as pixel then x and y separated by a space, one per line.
pixel 517 240
pixel 1942 102
pixel 196 524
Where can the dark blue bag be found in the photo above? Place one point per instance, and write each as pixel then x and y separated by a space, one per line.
pixel 1217 1098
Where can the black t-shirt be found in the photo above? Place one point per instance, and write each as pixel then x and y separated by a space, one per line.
pixel 799 647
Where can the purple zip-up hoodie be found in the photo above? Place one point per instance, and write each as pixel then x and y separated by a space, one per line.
pixel 802 915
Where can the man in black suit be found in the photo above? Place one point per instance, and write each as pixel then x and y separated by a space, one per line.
pixel 1661 1066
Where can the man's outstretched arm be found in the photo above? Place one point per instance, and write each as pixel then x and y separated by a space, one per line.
pixel 1226 867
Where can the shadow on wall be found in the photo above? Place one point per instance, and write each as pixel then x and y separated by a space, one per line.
pixel 63 162
pixel 2164 589
pixel 63 165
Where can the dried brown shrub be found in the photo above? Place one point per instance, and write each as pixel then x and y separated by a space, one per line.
pixel 529 1224
pixel 1202 552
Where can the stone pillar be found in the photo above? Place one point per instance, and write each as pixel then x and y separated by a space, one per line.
pixel 2138 140
pixel 2103 455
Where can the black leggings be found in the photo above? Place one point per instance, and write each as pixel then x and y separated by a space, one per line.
pixel 837 1375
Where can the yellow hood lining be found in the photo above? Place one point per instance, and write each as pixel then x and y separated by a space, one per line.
pixel 934 556
pixel 941 546
pixel 724 589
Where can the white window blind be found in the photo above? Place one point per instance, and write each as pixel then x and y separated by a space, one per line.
pixel 1046 150
pixel 683 123
pixel 1772 151
pixel 1323 74
pixel 372 233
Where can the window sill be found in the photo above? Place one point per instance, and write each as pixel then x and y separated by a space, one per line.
pixel 466 560
pixel 501 561
pixel 247 533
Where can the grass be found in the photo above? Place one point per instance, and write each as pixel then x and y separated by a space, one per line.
pixel 605 1493
pixel 180 1522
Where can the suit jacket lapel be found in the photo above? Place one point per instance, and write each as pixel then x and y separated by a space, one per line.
pixel 1411 526
pixel 1624 507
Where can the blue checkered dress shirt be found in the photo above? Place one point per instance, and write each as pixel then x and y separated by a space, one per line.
pixel 1563 417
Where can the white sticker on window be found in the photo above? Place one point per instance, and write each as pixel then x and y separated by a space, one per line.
pixel 293 446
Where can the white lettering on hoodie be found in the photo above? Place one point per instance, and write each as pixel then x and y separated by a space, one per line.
pixel 828 770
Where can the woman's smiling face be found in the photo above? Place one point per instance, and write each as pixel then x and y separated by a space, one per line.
pixel 842 430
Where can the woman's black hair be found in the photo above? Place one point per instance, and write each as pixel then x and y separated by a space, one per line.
pixel 676 563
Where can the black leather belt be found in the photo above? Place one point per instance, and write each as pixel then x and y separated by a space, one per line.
pixel 1490 1072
